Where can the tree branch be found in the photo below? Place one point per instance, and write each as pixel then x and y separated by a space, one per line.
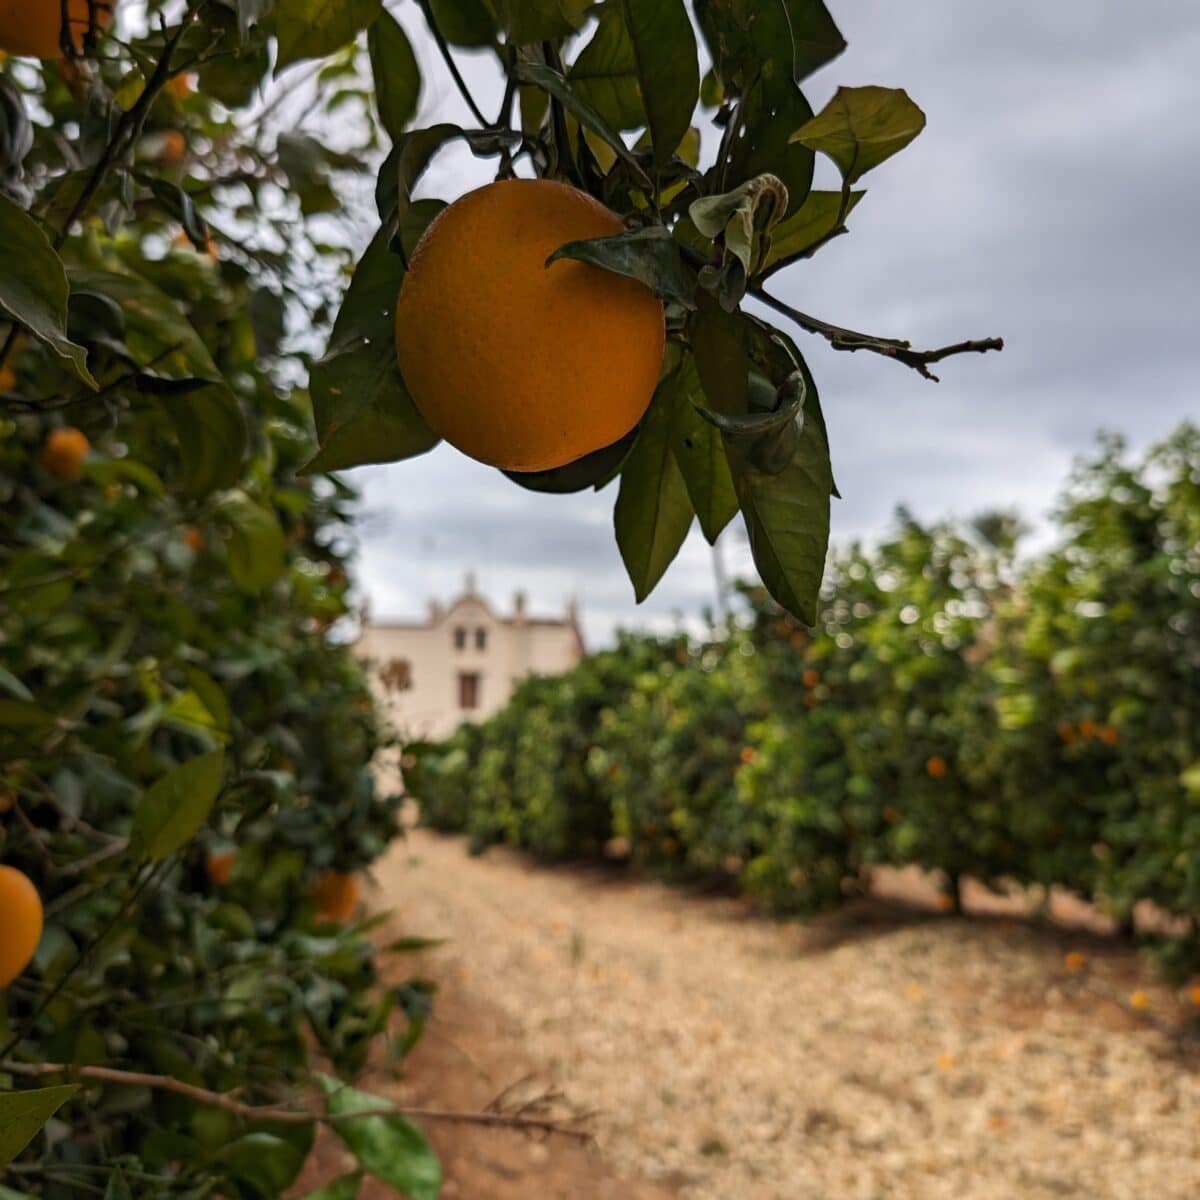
pixel 451 65
pixel 901 351
pixel 288 1116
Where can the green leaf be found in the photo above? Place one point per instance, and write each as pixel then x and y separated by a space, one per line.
pixel 343 1188
pixel 743 220
pixel 35 295
pixel 551 81
pixel 700 452
pixel 315 28
pixel 815 220
pixel 22 1114
pixel 397 76
pixel 363 411
pixel 257 547
pixel 649 255
pixel 665 48
pixel 211 432
pixel 816 40
pixel 464 22
pixel 764 120
pixel 862 127
pixel 387 1146
pixel 604 74
pixel 718 341
pixel 525 21
pixel 268 1162
pixel 653 512
pixel 22 714
pixel 176 806
pixel 117 1188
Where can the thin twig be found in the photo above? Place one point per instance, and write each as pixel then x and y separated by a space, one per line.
pixel 287 1116
pixel 451 65
pixel 901 351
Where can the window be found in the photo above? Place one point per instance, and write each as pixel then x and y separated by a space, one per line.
pixel 460 638
pixel 481 639
pixel 396 676
pixel 468 690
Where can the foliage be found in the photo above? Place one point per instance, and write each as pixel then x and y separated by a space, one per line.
pixel 952 709
pixel 173 686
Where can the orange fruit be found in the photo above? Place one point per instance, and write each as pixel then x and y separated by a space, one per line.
pixel 1087 728
pixel 1139 1000
pixel 519 365
pixel 182 86
pixel 219 866
pixel 935 767
pixel 811 678
pixel 1194 994
pixel 173 145
pixel 944 902
pixel 1108 734
pixel 20 923
pixel 1075 960
pixel 193 539
pixel 64 452
pixel 337 896
pixel 8 379
pixel 34 27
pixel 7 800
pixel 748 753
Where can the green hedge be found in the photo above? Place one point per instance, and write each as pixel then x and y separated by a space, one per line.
pixel 957 707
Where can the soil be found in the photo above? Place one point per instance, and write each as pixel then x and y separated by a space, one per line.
pixel 886 1052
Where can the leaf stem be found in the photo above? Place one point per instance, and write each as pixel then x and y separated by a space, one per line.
pixel 451 65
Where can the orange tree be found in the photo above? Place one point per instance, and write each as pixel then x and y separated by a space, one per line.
pixel 172 553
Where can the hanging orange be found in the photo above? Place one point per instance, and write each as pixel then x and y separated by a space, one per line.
pixel 20 923
pixel 34 27
pixel 337 896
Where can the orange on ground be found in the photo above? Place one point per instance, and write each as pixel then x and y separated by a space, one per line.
pixel 7 800
pixel 523 366
pixel 193 539
pixel 1139 999
pixel 64 452
pixel 34 27
pixel 336 895
pixel 219 866
pixel 1195 994
pixel 20 923
pixel 1075 960
pixel 945 902
pixel 935 767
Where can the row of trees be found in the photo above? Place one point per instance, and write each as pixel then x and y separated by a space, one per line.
pixel 953 708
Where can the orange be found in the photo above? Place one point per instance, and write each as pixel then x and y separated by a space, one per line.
pixel 1139 1000
pixel 20 923
pixel 523 366
pixel 811 678
pixel 182 86
pixel 336 896
pixel 193 539
pixel 748 754
pixel 944 902
pixel 1194 994
pixel 64 452
pixel 1075 960
pixel 219 866
pixel 1108 734
pixel 173 146
pixel 34 27
pixel 935 767
pixel 7 800
pixel 1087 728
pixel 8 379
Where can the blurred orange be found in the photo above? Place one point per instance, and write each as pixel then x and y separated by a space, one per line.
pixel 748 753
pixel 811 678
pixel 194 539
pixel 219 866
pixel 1139 1000
pixel 337 896
pixel 935 767
pixel 1087 728
pixel 1075 960
pixel 64 452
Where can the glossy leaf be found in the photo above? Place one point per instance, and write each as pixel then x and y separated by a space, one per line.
pixel 397 76
pixel 605 73
pixel 118 1187
pixel 35 296
pixel 664 47
pixel 315 28
pixel 764 121
pixel 176 806
pixel 22 1114
pixel 256 546
pixel 363 411
pixel 266 1161
pixel 653 512
pixel 718 340
pixel 387 1146
pixel 525 21
pixel 649 255
pixel 815 220
pixel 465 22
pixel 862 127
pixel 345 1187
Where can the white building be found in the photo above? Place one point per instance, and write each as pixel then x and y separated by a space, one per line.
pixel 463 662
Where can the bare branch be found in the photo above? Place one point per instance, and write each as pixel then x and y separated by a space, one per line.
pixel 901 351
pixel 284 1115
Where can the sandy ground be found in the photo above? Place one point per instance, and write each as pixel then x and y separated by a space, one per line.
pixel 884 1052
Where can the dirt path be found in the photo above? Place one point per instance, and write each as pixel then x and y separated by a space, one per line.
pixel 881 1053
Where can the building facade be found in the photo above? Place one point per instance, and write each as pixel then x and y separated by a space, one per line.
pixel 463 661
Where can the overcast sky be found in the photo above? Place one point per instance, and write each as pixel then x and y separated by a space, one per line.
pixel 1052 199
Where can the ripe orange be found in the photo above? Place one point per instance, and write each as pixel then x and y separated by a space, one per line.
pixel 8 379
pixel 219 866
pixel 1194 994
pixel 748 754
pixel 1075 960
pixel 935 767
pixel 1108 734
pixel 336 895
pixel 173 146
pixel 193 539
pixel 811 678
pixel 1139 1000
pixel 20 923
pixel 182 86
pixel 34 27
pixel 523 366
pixel 64 452
pixel 1087 728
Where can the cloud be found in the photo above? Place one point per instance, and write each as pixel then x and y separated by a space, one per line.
pixel 1051 200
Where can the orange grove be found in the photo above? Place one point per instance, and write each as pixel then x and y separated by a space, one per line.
pixel 20 923
pixel 523 366
pixel 337 896
pixel 34 27
pixel 64 452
